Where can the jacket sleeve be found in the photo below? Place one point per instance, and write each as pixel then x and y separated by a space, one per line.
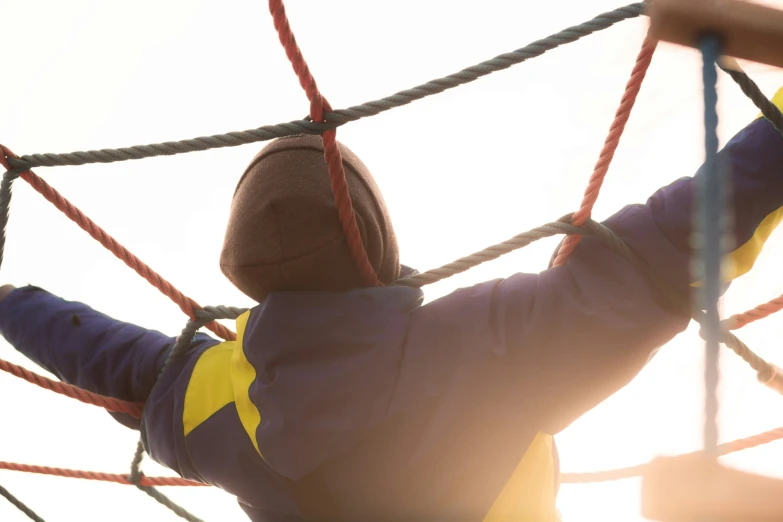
pixel 580 332
pixel 84 347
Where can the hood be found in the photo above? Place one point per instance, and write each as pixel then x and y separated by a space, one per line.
pixel 284 233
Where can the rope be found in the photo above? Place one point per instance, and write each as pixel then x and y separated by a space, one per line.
pixel 634 471
pixel 562 226
pixel 19 505
pixel 737 321
pixel 203 317
pixel 87 397
pixel 764 370
pixel 498 63
pixel 723 449
pixel 5 196
pixel 334 160
pixel 183 342
pixel 340 117
pixel 136 478
pixel 94 475
pixel 752 91
pixel 186 304
pixel 710 220
pixel 627 102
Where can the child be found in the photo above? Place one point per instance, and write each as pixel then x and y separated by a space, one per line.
pixel 361 404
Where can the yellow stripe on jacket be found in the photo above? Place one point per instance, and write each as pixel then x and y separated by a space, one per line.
pixel 222 375
pixel 242 376
pixel 209 388
pixel 529 494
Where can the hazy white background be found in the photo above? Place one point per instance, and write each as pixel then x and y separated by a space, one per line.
pixel 460 171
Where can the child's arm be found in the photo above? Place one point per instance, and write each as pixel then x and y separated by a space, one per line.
pixel 82 346
pixel 582 331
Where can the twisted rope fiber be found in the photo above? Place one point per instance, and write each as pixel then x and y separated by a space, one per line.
pixel 567 478
pixel 764 370
pixel 203 317
pixel 94 475
pixel 5 196
pixel 634 471
pixel 105 239
pixel 499 63
pixel 711 220
pixel 183 342
pixel 752 91
pixel 136 477
pixel 561 226
pixel 611 143
pixel 737 321
pixel 334 160
pixel 185 303
pixel 74 392
pixel 19 505
pixel 62 388
pixel 339 117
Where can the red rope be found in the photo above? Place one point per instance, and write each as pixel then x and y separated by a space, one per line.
pixel 610 146
pixel 186 304
pixel 318 106
pixel 737 321
pixel 93 475
pixel 635 471
pixel 566 478
pixel 111 404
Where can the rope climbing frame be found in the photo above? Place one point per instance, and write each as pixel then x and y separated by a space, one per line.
pixel 323 120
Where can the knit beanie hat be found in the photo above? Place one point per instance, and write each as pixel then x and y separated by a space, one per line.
pixel 283 232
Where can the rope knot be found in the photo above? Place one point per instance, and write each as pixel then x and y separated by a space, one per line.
pixel 6 156
pixel 319 106
pixel 725 327
pixel 14 166
pixel 136 473
pixel 13 174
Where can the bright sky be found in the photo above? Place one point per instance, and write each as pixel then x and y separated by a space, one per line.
pixel 460 171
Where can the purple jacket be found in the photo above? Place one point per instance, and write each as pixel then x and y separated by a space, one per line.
pixel 403 410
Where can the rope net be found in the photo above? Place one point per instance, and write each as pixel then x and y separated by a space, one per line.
pixel 323 120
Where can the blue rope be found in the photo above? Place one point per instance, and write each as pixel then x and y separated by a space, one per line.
pixel 709 234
